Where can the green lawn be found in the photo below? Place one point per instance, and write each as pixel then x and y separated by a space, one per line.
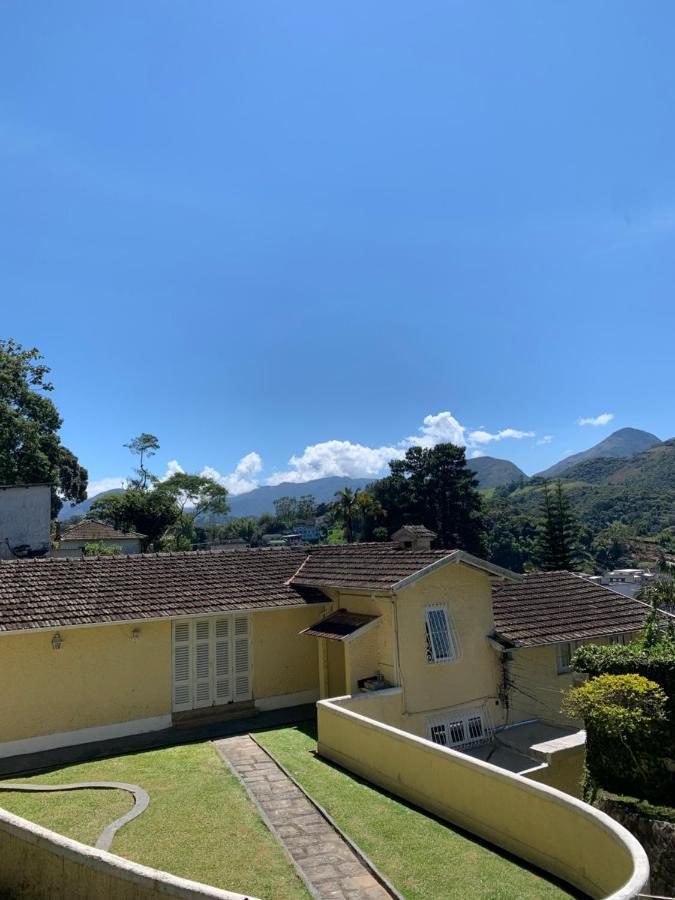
pixel 200 823
pixel 421 857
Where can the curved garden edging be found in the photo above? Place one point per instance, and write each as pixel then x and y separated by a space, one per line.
pixel 38 863
pixel 141 801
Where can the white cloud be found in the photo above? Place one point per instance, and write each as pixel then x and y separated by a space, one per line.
pixel 547 438
pixel 173 468
pixel 484 437
pixel 105 484
pixel 476 454
pixel 602 419
pixel 341 458
pixel 243 478
pixel 347 459
pixel 443 427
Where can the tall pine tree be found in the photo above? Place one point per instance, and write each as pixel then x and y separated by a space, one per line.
pixel 557 531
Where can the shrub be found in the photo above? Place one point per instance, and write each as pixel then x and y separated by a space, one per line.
pixel 618 706
pixel 628 707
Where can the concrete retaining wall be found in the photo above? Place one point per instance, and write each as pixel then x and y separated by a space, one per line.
pixel 37 864
pixel 540 824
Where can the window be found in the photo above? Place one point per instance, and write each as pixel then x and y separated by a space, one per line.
pixel 565 653
pixel 441 643
pixel 461 728
pixel 619 639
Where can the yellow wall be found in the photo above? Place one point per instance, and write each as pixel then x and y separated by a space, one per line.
pixel 284 661
pixel 553 831
pixel 100 676
pixel 474 677
pixel 537 689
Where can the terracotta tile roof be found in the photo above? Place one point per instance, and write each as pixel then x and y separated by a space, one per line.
pixel 53 593
pixel 415 531
pixel 339 625
pixel 93 530
pixel 371 566
pixel 549 607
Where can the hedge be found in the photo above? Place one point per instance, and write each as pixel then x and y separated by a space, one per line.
pixel 639 765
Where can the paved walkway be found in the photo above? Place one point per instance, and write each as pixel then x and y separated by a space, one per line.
pixel 328 864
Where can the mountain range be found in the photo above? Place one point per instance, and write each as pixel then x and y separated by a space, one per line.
pixel 604 461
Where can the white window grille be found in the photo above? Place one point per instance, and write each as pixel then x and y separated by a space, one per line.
pixel 565 654
pixel 461 728
pixel 441 642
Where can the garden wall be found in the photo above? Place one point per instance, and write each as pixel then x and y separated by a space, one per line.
pixel 541 825
pixel 38 864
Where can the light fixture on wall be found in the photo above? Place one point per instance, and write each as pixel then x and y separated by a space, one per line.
pixel 57 642
pixel 135 634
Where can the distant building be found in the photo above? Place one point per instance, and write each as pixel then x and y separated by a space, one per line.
pixel 308 533
pixel 627 581
pixel 90 531
pixel 25 519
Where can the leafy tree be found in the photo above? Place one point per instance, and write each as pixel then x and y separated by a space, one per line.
pixel 95 548
pixel 434 487
pixel 292 510
pixel 150 513
pixel 556 531
pixel 144 446
pixel 611 547
pixel 30 447
pixel 193 495
pixel 619 706
pixel 511 537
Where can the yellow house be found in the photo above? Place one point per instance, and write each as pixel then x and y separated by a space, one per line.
pixel 99 648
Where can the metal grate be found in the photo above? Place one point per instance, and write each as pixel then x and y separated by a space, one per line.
pixel 461 728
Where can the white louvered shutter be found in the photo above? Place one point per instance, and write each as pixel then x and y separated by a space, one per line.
pixel 242 658
pixel 223 662
pixel 202 664
pixel 182 682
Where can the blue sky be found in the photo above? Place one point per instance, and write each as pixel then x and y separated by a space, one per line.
pixel 299 230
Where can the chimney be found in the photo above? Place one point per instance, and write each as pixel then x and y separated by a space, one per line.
pixel 413 537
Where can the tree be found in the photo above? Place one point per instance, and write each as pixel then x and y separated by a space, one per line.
pixel 150 513
pixel 96 548
pixel 144 446
pixel 30 447
pixel 434 487
pixel 345 510
pixel 511 537
pixel 193 495
pixel 557 530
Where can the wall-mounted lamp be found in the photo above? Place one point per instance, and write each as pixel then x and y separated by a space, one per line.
pixel 57 642
pixel 135 634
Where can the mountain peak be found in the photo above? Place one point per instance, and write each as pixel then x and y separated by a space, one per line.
pixel 621 444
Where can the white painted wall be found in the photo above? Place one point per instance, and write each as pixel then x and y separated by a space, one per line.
pixel 25 515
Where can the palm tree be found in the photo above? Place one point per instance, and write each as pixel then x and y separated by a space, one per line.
pixel 345 509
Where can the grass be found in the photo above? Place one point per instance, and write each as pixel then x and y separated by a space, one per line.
pixel 200 823
pixel 422 857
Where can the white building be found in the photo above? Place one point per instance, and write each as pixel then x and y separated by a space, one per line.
pixel 25 518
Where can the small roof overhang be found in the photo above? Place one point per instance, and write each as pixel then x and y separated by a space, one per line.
pixel 342 626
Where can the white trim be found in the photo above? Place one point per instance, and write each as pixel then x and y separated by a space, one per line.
pixel 281 701
pixel 215 612
pixel 83 736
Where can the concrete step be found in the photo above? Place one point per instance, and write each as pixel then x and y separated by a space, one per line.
pixel 210 714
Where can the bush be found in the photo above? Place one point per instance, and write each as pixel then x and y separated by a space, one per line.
pixel 618 706
pixel 628 708
pixel 98 549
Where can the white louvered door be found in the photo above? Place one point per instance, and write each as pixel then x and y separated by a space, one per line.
pixel 223 661
pixel 202 678
pixel 242 658
pixel 182 670
pixel 211 662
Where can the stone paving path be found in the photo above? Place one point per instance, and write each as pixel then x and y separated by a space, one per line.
pixel 329 865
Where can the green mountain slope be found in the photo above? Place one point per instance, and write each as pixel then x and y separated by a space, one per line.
pixel 621 444
pixel 492 472
pixel 639 491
